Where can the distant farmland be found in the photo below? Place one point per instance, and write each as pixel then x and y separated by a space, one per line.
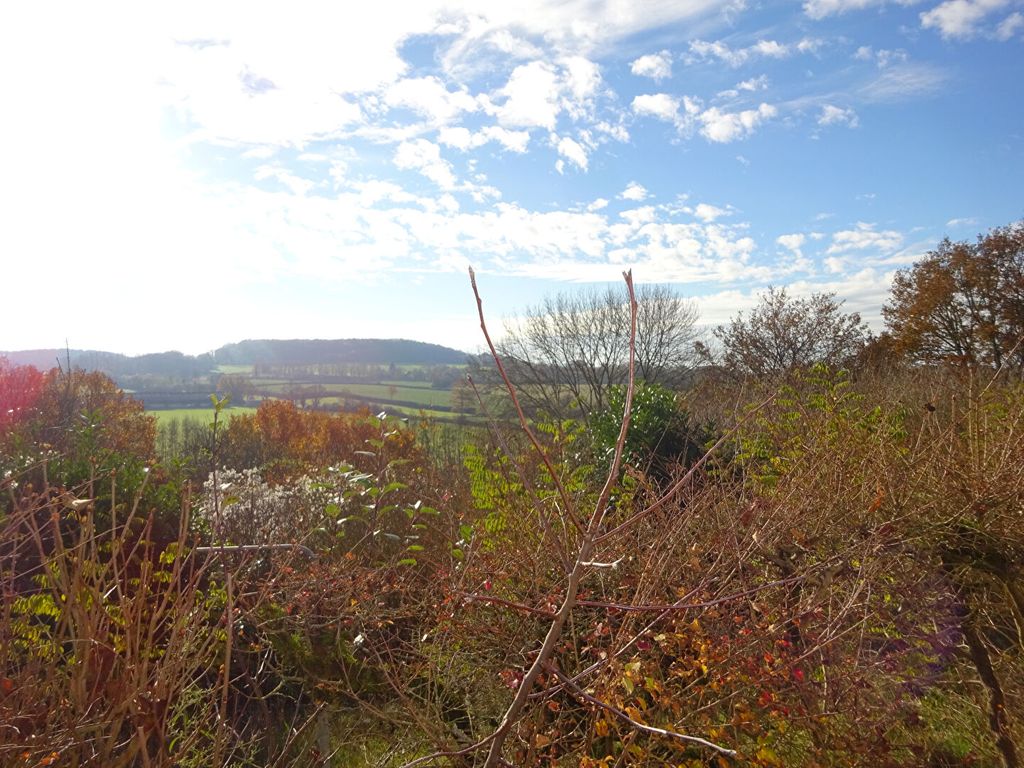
pixel 196 414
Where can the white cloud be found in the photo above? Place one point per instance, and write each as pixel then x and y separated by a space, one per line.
pixel 833 115
pixel 1010 26
pixel 463 139
pixel 716 124
pixel 425 156
pixel 904 81
pixel 819 9
pixel 769 49
pixel 809 45
pixel 709 213
pixel 759 83
pixel 657 66
pixel 702 50
pixel 538 92
pixel 429 97
pixel 531 97
pixel 658 105
pixel 572 151
pixel 724 127
pixel 581 81
pixel 298 185
pixel 864 237
pixel 615 131
pixel 634 191
pixel 965 221
pixel 883 57
pixel 792 243
pixel 959 18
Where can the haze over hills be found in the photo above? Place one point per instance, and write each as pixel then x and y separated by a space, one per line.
pixel 248 352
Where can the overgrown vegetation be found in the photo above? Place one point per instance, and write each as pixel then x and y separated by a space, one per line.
pixel 824 567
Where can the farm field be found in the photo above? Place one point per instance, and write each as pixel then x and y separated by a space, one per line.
pixel 196 414
pixel 422 395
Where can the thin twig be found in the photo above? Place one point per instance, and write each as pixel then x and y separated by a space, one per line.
pixel 583 555
pixel 524 425
pixel 474 598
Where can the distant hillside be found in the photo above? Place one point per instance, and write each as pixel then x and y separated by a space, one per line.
pixel 249 352
pixel 334 351
pixel 172 364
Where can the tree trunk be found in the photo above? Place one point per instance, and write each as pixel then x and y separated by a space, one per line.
pixel 997 717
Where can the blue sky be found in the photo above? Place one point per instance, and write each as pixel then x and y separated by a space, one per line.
pixel 193 175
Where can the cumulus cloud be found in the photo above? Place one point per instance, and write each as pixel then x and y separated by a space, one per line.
pixel 959 18
pixel 792 243
pixel 723 127
pixel 864 237
pixel 656 66
pixel 425 156
pixel 759 83
pixel 658 105
pixel 429 97
pixel 531 97
pixel 537 93
pixel 463 139
pixel 572 151
pixel 833 115
pixel 883 57
pixel 709 213
pixel 634 191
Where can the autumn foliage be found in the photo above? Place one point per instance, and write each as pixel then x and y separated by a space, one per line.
pixel 20 387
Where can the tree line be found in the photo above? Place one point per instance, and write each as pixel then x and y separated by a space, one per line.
pixel 962 303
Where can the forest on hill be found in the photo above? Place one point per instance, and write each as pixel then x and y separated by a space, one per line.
pixel 175 365
pixel 792 543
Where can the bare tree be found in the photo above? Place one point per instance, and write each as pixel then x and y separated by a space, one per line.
pixel 782 334
pixel 567 351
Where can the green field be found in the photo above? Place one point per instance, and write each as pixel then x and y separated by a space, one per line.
pixel 195 414
pixel 419 395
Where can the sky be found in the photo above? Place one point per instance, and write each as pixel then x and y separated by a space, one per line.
pixel 179 176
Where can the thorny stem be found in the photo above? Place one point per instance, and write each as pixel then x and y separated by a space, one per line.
pixel 524 425
pixel 586 545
